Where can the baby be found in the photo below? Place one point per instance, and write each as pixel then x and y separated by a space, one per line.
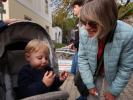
pixel 37 76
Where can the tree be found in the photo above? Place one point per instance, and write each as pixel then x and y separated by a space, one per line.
pixel 62 17
pixel 124 11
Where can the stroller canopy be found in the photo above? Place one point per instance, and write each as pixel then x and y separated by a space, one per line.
pixel 13 40
pixel 22 32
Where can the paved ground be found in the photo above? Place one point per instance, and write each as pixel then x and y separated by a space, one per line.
pixel 127 94
pixel 68 86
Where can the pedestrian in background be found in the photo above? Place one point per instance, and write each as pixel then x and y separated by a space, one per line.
pixel 76 7
pixel 74 67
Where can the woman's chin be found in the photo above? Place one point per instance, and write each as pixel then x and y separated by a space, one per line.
pixel 91 34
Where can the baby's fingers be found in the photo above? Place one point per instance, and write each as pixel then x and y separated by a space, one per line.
pixel 54 76
pixel 64 74
pixel 46 74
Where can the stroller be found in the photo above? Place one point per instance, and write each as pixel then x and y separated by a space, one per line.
pixel 13 40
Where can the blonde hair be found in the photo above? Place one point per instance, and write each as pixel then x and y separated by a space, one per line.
pixel 35 45
pixel 103 12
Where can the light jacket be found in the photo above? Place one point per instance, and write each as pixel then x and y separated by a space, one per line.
pixel 118 58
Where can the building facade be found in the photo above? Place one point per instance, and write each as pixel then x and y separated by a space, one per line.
pixel 38 11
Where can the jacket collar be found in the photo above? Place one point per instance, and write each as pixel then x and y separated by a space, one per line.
pixel 111 34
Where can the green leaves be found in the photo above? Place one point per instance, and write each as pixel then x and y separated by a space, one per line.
pixel 63 18
pixel 125 11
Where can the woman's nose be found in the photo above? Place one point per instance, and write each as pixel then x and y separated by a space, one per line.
pixel 87 27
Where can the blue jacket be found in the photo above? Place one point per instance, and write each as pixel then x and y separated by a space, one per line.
pixel 30 82
pixel 74 67
pixel 118 58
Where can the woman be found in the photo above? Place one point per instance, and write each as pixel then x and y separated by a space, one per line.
pixel 108 46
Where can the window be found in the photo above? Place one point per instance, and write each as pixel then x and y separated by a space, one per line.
pixel 40 7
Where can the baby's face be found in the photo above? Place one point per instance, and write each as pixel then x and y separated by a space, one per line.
pixel 38 59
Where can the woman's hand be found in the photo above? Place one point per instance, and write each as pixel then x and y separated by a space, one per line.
pixel 63 75
pixel 48 78
pixel 93 91
pixel 109 96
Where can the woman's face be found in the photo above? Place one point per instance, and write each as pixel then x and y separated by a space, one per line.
pixel 91 27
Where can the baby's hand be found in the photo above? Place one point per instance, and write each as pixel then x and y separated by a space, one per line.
pixel 63 75
pixel 48 78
